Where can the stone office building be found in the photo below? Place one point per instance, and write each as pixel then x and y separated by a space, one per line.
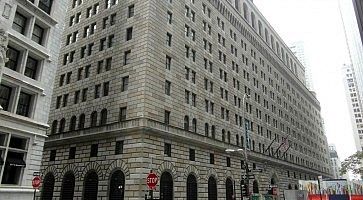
pixel 168 86
pixel 30 43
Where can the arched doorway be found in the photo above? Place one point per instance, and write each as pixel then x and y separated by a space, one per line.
pixel 289 187
pixel 229 189
pixel 67 190
pixel 255 187
pixel 166 186
pixel 212 188
pixel 192 188
pixel 117 185
pixel 90 189
pixel 48 187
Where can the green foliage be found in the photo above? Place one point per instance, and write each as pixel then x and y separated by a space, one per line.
pixel 353 163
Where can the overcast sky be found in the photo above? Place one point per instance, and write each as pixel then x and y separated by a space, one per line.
pixel 318 24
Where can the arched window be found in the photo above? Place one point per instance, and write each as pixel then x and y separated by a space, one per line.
pixel 229 137
pixel 67 190
pixel 289 187
pixel 62 125
pixel 206 129
pixel 253 145
pixel 54 127
pixel 192 188
pixel 166 186
pixel 103 117
pixel 194 125
pixel 117 186
pixel 266 36
pixel 90 189
pixel 186 123
pixel 82 119
pixel 213 132
pixel 237 140
pixel 94 119
pixel 48 187
pixel 242 141
pixel 212 188
pixel 255 187
pixel 273 181
pixel 229 189
pixel 259 28
pixel 72 125
pixel 296 187
pixel 223 135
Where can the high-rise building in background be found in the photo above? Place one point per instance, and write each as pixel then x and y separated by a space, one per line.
pixel 336 164
pixel 358 9
pixel 30 36
pixel 169 86
pixel 355 105
pixel 298 49
pixel 353 71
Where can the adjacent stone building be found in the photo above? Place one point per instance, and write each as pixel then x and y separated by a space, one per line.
pixel 168 86
pixel 30 33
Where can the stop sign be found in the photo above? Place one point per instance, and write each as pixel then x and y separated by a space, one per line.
pixel 152 180
pixel 36 182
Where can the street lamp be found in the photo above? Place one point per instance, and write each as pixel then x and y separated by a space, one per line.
pixel 246 167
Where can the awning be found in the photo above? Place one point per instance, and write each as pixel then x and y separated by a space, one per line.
pixel 16 162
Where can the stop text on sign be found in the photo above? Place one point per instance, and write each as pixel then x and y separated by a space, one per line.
pixel 151 180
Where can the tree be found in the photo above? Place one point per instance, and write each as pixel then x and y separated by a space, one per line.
pixel 353 163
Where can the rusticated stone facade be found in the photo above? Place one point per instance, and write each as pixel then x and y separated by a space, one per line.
pixel 164 86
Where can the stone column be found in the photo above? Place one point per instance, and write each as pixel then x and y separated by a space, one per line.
pixel 6 11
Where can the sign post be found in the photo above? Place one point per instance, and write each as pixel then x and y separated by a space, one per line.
pixel 151 182
pixel 36 184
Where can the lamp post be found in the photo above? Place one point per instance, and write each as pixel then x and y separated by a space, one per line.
pixel 246 166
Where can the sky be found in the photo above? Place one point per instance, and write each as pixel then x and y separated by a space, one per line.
pixel 318 25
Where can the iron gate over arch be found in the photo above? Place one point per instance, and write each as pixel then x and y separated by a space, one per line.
pixel 229 189
pixel 48 187
pixel 192 188
pixel 166 186
pixel 212 188
pixel 67 191
pixel 117 185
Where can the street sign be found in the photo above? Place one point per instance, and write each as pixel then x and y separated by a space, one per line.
pixel 36 182
pixel 257 170
pixel 152 180
pixel 36 173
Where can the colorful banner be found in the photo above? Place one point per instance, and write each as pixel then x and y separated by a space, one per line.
pixel 335 186
pixel 311 186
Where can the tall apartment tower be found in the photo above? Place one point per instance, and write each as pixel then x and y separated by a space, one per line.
pixel 30 42
pixel 355 105
pixel 336 164
pixel 298 49
pixel 169 86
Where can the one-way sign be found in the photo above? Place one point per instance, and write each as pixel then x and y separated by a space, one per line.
pixel 257 170
pixel 250 176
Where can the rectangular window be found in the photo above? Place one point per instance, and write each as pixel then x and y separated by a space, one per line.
pixel 19 23
pixel 87 71
pixel 13 56
pixel 167 117
pixel 97 91
pixel 31 67
pixel 45 5
pixel 24 104
pixel 169 17
pixel 65 100
pixel 76 96
pixel 194 100
pixel 58 102
pixel 90 48
pixel 119 147
pixel 131 11
pixel 106 88
pixel 79 75
pixel 168 39
pixel 129 33
pixel 111 39
pixel 99 66
pixel 127 57
pixel 123 113
pixel 167 62
pixel 102 44
pixel 113 19
pixel 94 150
pixel 125 84
pixel 211 158
pixel 187 93
pixel 228 162
pixel 5 95
pixel 84 94
pixel 69 75
pixel 167 149
pixel 37 35
pixel 82 53
pixel 108 63
pixel 167 87
pixel 53 154
pixel 192 154
pixel 72 153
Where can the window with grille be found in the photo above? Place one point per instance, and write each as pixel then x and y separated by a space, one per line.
pixel 90 186
pixel 31 67
pixel 192 188
pixel 212 188
pixel 68 183
pixel 117 186
pixel 48 187
pixel 166 186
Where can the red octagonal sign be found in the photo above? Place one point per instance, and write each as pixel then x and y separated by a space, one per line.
pixel 36 182
pixel 152 180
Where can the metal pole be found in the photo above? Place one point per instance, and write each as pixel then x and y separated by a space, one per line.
pixel 245 146
pixel 35 190
pixel 321 198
